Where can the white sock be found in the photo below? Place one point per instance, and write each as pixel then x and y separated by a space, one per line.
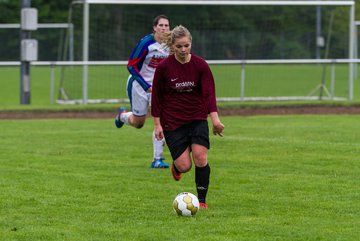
pixel 124 117
pixel 158 146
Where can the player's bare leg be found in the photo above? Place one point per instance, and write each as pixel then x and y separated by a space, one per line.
pixel 181 165
pixel 133 120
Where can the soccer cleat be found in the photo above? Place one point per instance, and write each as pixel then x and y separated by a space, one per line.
pixel 118 122
pixel 158 163
pixel 203 206
pixel 176 175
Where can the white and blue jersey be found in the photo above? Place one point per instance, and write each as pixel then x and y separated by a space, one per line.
pixel 142 64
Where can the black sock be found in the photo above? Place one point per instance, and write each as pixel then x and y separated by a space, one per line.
pixel 202 179
pixel 176 169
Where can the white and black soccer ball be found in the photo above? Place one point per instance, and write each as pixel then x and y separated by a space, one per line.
pixel 186 204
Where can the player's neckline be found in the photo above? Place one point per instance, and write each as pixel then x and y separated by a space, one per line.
pixel 187 60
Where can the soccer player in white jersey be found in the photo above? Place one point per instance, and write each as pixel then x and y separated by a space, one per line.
pixel 146 56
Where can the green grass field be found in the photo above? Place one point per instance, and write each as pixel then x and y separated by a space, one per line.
pixel 273 178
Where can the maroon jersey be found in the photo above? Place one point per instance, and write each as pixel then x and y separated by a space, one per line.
pixel 182 93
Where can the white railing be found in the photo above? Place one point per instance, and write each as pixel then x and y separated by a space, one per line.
pixel 242 63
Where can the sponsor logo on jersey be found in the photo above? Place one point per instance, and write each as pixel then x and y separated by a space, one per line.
pixel 184 84
pixel 155 60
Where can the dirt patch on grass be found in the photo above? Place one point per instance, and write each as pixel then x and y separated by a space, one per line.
pixel 248 111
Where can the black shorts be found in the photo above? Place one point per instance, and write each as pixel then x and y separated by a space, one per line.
pixel 195 132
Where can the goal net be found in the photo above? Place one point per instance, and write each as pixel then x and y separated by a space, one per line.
pixel 228 34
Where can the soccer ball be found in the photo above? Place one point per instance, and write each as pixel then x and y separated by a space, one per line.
pixel 186 204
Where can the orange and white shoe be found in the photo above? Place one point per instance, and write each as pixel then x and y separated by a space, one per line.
pixel 203 206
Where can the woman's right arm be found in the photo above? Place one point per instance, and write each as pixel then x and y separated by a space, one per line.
pixel 156 101
pixel 136 58
pixel 159 134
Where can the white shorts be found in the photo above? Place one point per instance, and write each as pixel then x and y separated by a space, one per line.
pixel 139 99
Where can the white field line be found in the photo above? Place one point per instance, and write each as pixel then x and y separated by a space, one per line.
pixel 293 141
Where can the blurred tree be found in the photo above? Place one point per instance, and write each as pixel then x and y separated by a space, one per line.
pixel 242 33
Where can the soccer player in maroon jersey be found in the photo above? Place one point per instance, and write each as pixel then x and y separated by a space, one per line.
pixel 183 96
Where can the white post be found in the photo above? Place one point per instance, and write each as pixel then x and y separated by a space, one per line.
pixel 52 83
pixel 351 51
pixel 85 50
pixel 332 80
pixel 242 83
pixel 356 51
pixel 71 42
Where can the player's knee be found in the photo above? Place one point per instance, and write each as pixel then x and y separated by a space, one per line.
pixel 138 122
pixel 200 160
pixel 183 166
pixel 138 125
